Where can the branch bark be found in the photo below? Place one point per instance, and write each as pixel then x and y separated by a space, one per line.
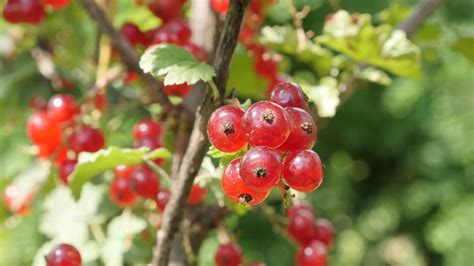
pixel 198 143
pixel 126 51
pixel 419 15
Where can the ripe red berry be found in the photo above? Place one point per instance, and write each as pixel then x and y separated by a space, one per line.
pixel 146 128
pixel 197 194
pixel 56 4
pixel 145 182
pixel 130 77
pixel 166 9
pixel 301 228
pixel 44 130
pixel 266 66
pixel 12 200
pixel 228 255
pixel 65 169
pixel 180 28
pixel 132 33
pixel 289 94
pixel 235 188
pixel 162 199
pixel 61 107
pixel 86 139
pixel 261 168
pixel 37 103
pixel 220 6
pixel 124 171
pixel 303 131
pixel 325 232
pixel 274 83
pixel 121 192
pixel 179 90
pixel 24 11
pixel 224 128
pixel 64 255
pixel 266 124
pixel 303 171
pixel 312 254
pixel 301 208
pixel 151 143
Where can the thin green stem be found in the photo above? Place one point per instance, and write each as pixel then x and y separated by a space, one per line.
pixel 215 90
pixel 158 170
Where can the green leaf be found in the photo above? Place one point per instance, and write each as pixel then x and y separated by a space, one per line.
pixel 92 164
pixel 176 65
pixel 464 46
pixel 224 157
pixel 252 86
pixel 375 75
pixel 161 153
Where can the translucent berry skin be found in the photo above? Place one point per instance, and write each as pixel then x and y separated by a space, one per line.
pixel 197 194
pixel 64 255
pixel 162 199
pixel 301 228
pixel 65 169
pixel 325 232
pixel 180 28
pixel 24 11
pixel 162 36
pixel 146 128
pixel 266 66
pixel 224 128
pixel 166 9
pixel 312 254
pixel 303 131
pixel 132 33
pixel 179 90
pixel 121 193
pixel 303 171
pixel 266 124
pixel 301 208
pixel 56 4
pixel 236 189
pixel 145 182
pixel 228 255
pixel 124 171
pixel 44 130
pixel 288 94
pixel 261 168
pixel 61 107
pixel 86 139
pixel 220 6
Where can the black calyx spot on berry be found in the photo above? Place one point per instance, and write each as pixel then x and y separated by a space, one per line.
pixel 260 172
pixel 307 127
pixel 245 198
pixel 268 116
pixel 228 128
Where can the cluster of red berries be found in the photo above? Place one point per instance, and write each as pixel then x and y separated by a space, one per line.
pixel 29 11
pixel 315 236
pixel 142 181
pixel 230 254
pixel 174 30
pixel 53 129
pixel 63 255
pixel 281 133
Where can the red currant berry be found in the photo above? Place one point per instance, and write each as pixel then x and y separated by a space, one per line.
pixel 151 144
pixel 56 4
pixel 274 83
pixel 61 155
pixel 86 139
pixel 146 128
pixel 130 77
pixel 228 255
pixel 65 169
pixel 145 182
pixel 224 128
pixel 235 188
pixel 166 9
pixel 303 171
pixel 64 255
pixel 261 168
pixel 325 232
pixel 220 6
pixel 132 33
pixel 196 50
pixel 37 103
pixel 197 194
pixel 121 192
pixel 302 131
pixel 26 11
pixel 266 66
pixel 15 202
pixel 266 124
pixel 289 94
pixel 61 107
pixel 179 90
pixel 162 199
pixel 100 100
pixel 246 35
pixel 46 150
pixel 180 28
pixel 312 254
pixel 162 36
pixel 302 208
pixel 124 171
pixel 301 228
pixel 44 130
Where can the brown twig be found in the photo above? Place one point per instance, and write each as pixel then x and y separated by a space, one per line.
pixel 126 51
pixel 419 15
pixel 198 143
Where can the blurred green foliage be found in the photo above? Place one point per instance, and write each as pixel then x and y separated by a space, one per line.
pixel 399 160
